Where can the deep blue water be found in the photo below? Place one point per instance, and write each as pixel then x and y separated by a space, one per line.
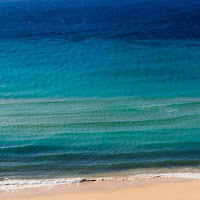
pixel 90 87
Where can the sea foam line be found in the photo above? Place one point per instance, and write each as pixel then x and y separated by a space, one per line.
pixel 8 184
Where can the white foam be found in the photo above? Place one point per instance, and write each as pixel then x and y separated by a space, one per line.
pixel 170 175
pixel 9 184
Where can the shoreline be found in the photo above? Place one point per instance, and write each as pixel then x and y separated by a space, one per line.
pixel 72 188
pixel 171 189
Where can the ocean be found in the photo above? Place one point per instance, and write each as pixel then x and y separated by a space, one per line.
pixel 98 87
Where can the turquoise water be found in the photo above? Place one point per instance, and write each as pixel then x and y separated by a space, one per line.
pixel 99 68
pixel 87 91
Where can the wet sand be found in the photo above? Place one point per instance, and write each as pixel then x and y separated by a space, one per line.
pixel 151 189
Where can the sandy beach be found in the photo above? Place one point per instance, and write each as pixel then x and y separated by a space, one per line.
pixel 154 189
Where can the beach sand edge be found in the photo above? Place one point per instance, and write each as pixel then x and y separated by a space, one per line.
pixel 165 190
